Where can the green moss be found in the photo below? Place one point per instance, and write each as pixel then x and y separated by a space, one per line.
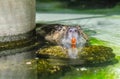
pixel 16 44
pixel 52 51
pixel 95 41
pixel 97 54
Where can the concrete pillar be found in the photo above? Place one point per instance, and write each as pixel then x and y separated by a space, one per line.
pixel 17 22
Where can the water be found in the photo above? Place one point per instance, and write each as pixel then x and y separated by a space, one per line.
pixel 106 28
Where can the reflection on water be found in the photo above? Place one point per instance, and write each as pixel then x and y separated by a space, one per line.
pixel 78 72
pixel 15 67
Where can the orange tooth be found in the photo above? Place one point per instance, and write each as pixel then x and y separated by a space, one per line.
pixel 73 42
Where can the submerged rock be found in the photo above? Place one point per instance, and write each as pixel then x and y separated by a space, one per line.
pixel 44 67
pixel 90 54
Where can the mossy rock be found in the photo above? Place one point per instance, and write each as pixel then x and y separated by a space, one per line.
pixel 90 55
pixel 52 51
pixel 97 54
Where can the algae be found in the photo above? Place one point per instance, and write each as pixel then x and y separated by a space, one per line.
pixel 52 51
pixel 90 54
pixel 16 44
pixel 97 54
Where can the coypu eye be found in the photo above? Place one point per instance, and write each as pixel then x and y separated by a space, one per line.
pixel 70 30
pixel 75 30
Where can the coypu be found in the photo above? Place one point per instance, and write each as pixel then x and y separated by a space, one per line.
pixel 62 35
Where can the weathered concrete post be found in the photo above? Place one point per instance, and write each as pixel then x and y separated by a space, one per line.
pixel 17 23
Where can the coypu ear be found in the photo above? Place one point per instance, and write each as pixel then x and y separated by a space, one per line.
pixel 78 27
pixel 60 27
pixel 66 28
